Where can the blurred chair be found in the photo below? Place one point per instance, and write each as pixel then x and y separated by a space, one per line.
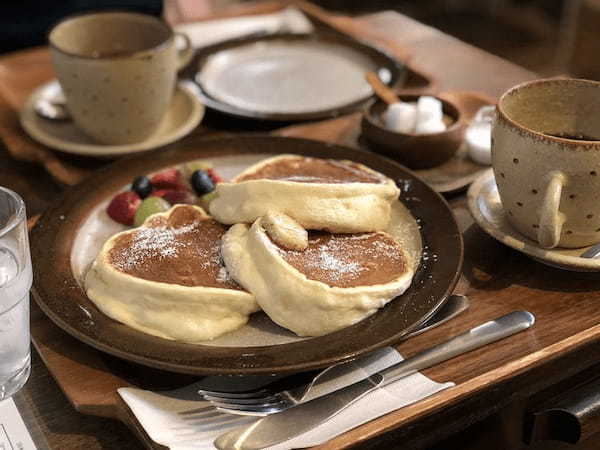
pixel 582 59
pixel 25 23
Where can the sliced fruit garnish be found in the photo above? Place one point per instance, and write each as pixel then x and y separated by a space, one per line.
pixel 202 183
pixel 123 207
pixel 212 173
pixel 285 231
pixel 174 196
pixel 190 167
pixel 168 179
pixel 151 205
pixel 142 186
pixel 205 200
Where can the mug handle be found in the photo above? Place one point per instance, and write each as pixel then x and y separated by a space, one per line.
pixel 186 53
pixel 551 219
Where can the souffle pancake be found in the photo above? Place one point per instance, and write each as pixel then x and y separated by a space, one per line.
pixel 320 194
pixel 166 278
pixel 331 282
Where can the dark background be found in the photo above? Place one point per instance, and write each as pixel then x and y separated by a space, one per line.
pixel 25 23
pixel 547 36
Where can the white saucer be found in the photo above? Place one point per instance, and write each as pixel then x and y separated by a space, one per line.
pixel 486 208
pixel 184 114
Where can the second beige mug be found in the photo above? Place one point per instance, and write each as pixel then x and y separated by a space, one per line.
pixel 118 72
pixel 546 160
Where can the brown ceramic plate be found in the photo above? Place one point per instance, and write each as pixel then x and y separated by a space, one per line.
pixel 58 293
pixel 289 77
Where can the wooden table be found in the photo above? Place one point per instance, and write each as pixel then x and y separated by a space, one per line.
pixel 496 386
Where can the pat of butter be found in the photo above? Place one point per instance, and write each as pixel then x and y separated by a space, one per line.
pixel 285 231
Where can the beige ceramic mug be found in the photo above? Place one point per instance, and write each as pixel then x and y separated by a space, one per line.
pixel 118 72
pixel 546 160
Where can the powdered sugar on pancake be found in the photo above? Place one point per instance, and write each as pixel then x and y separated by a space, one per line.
pixel 183 249
pixel 348 260
pixel 150 243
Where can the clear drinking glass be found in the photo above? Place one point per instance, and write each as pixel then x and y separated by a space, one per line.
pixel 15 282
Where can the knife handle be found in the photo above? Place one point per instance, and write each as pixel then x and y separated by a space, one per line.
pixel 477 337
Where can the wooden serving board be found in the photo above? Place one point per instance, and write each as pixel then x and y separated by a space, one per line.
pixel 83 374
pixel 497 280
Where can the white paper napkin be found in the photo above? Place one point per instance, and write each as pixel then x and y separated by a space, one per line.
pixel 212 31
pixel 178 420
pixel 13 432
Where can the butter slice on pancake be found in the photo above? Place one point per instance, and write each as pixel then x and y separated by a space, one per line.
pixel 337 281
pixel 320 194
pixel 166 278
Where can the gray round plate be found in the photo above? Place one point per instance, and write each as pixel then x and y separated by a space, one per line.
pixel 183 116
pixel 289 77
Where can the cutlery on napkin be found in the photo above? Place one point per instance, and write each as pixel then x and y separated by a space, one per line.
pixel 304 386
pixel 178 420
pixel 302 418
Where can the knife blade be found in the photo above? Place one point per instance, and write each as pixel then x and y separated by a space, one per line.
pixel 327 381
pixel 310 385
pixel 292 422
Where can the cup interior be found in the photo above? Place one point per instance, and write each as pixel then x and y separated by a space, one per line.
pixel 12 210
pixel 564 108
pixel 109 34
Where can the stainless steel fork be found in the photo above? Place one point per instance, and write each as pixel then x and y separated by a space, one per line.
pixel 272 398
pixel 328 405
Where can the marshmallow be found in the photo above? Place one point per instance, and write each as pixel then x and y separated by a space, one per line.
pixel 422 117
pixel 430 126
pixel 429 109
pixel 400 117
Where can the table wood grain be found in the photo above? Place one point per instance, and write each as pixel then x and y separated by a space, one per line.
pixel 497 280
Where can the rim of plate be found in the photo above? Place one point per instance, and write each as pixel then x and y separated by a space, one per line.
pixel 29 121
pixel 59 295
pixel 518 241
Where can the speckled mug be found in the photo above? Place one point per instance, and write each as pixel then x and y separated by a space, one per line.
pixel 550 185
pixel 118 72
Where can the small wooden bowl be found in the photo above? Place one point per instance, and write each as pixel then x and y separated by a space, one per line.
pixel 417 151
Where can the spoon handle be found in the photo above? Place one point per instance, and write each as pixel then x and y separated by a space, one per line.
pixel 381 89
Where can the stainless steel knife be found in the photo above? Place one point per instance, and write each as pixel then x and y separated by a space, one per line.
pixel 292 422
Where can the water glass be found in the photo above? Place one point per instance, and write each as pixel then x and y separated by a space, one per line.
pixel 15 282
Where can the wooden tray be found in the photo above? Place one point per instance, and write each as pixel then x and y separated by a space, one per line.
pixel 85 375
pixel 565 340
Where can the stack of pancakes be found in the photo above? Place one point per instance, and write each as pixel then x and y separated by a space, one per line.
pixel 307 247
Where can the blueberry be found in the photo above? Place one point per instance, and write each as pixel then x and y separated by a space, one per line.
pixel 142 186
pixel 202 183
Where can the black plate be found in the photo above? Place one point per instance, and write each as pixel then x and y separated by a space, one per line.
pixel 394 70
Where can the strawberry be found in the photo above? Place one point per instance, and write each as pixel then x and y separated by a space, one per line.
pixel 214 176
pixel 174 196
pixel 168 179
pixel 123 206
